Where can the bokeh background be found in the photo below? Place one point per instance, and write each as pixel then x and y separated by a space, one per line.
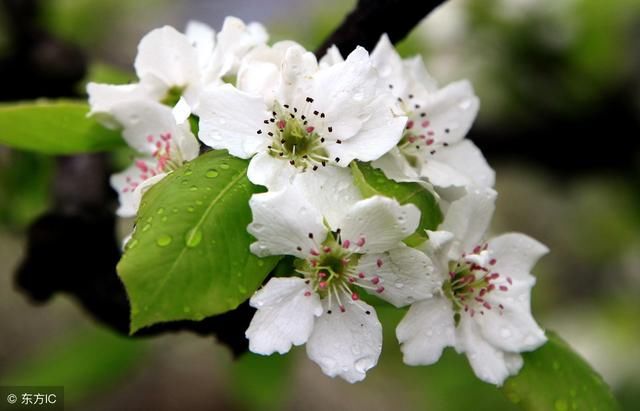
pixel 559 83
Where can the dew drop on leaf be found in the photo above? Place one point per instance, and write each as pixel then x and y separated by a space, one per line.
pixel 193 237
pixel 163 240
pixel 213 173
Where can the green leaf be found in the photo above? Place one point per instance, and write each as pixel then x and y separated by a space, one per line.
pixel 260 382
pixel 54 127
pixel 372 181
pixel 554 377
pixel 189 256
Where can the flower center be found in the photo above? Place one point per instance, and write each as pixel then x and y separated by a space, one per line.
pixel 471 280
pixel 331 270
pixel 296 135
pixel 168 158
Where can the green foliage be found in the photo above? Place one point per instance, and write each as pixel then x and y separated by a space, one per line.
pixel 554 377
pixel 54 127
pixel 189 256
pixel 260 382
pixel 372 181
pixel 84 363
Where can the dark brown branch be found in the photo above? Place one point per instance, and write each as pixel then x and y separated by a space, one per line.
pixel 371 18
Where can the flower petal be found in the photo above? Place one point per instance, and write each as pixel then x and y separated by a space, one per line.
pixel 130 184
pixel 331 57
pixel 468 219
pixel 426 330
pixel 271 172
pixel 202 38
pixel 287 308
pixel 516 254
pixel 467 163
pixel 415 70
pixel 451 111
pixel 381 221
pixel 390 66
pixel 230 119
pixel 103 97
pixel 406 275
pixel 346 344
pixel 489 363
pixel 282 223
pixel 167 59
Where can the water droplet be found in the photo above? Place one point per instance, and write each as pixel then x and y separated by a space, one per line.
pixel 193 188
pixel 260 263
pixel 193 237
pixel 242 289
pixel 186 309
pixel 164 240
pixel 160 210
pixel 190 209
pixel 184 182
pixel 561 405
pixel 199 202
pixel 175 210
pixel 149 219
pixel 131 244
pixel 188 172
pixel 224 166
pixel 146 227
pixel 164 219
pixel 213 173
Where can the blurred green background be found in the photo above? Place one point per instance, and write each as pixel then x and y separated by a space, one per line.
pixel 533 64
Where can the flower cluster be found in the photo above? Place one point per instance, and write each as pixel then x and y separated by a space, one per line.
pixel 301 123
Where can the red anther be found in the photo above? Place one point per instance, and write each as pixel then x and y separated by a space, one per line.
pixel 493 276
pixel 503 288
pixel 380 289
pixel 322 284
pixel 309 129
pixel 314 252
pixel 281 123
pixel 322 274
pixel 409 124
pixel 492 261
pixel 509 281
pixel 150 139
pixel 478 299
pixel 360 242
pixel 314 263
pixel 375 280
pixel 327 249
pixel 355 297
pixel 429 141
pixel 352 280
pixel 491 287
pixel 361 275
pixel 477 249
pixel 345 261
pixel 379 262
pixel 483 292
pixel 486 305
pixel 346 243
pixel 342 309
pixel 411 139
pixel 425 123
pixel 430 132
pixel 307 293
pixel 141 165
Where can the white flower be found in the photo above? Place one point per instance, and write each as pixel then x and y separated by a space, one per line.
pixel 433 145
pixel 483 309
pixel 175 68
pixel 301 118
pixel 341 244
pixel 150 129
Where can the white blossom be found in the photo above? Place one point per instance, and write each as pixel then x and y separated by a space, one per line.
pixel 483 308
pixel 294 117
pixel 341 244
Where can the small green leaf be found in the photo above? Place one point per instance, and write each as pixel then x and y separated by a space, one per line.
pixel 554 377
pixel 54 127
pixel 189 256
pixel 372 181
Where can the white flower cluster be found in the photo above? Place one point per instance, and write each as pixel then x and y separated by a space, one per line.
pixel 302 122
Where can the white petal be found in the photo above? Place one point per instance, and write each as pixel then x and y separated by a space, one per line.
pixel 331 57
pixel 516 254
pixel 381 221
pixel 131 184
pixel 345 93
pixel 450 111
pixel 297 69
pixel 467 163
pixel 489 363
pixel 230 119
pixel 415 70
pixel 181 111
pixel 282 222
pixel 103 97
pixel 441 174
pixel 426 330
pixel 390 66
pixel 346 344
pixel 271 172
pixel 202 38
pixel 167 59
pixel 468 219
pixel 287 308
pixel 511 329
pixel 406 274
pixel 379 134
pixel 396 167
